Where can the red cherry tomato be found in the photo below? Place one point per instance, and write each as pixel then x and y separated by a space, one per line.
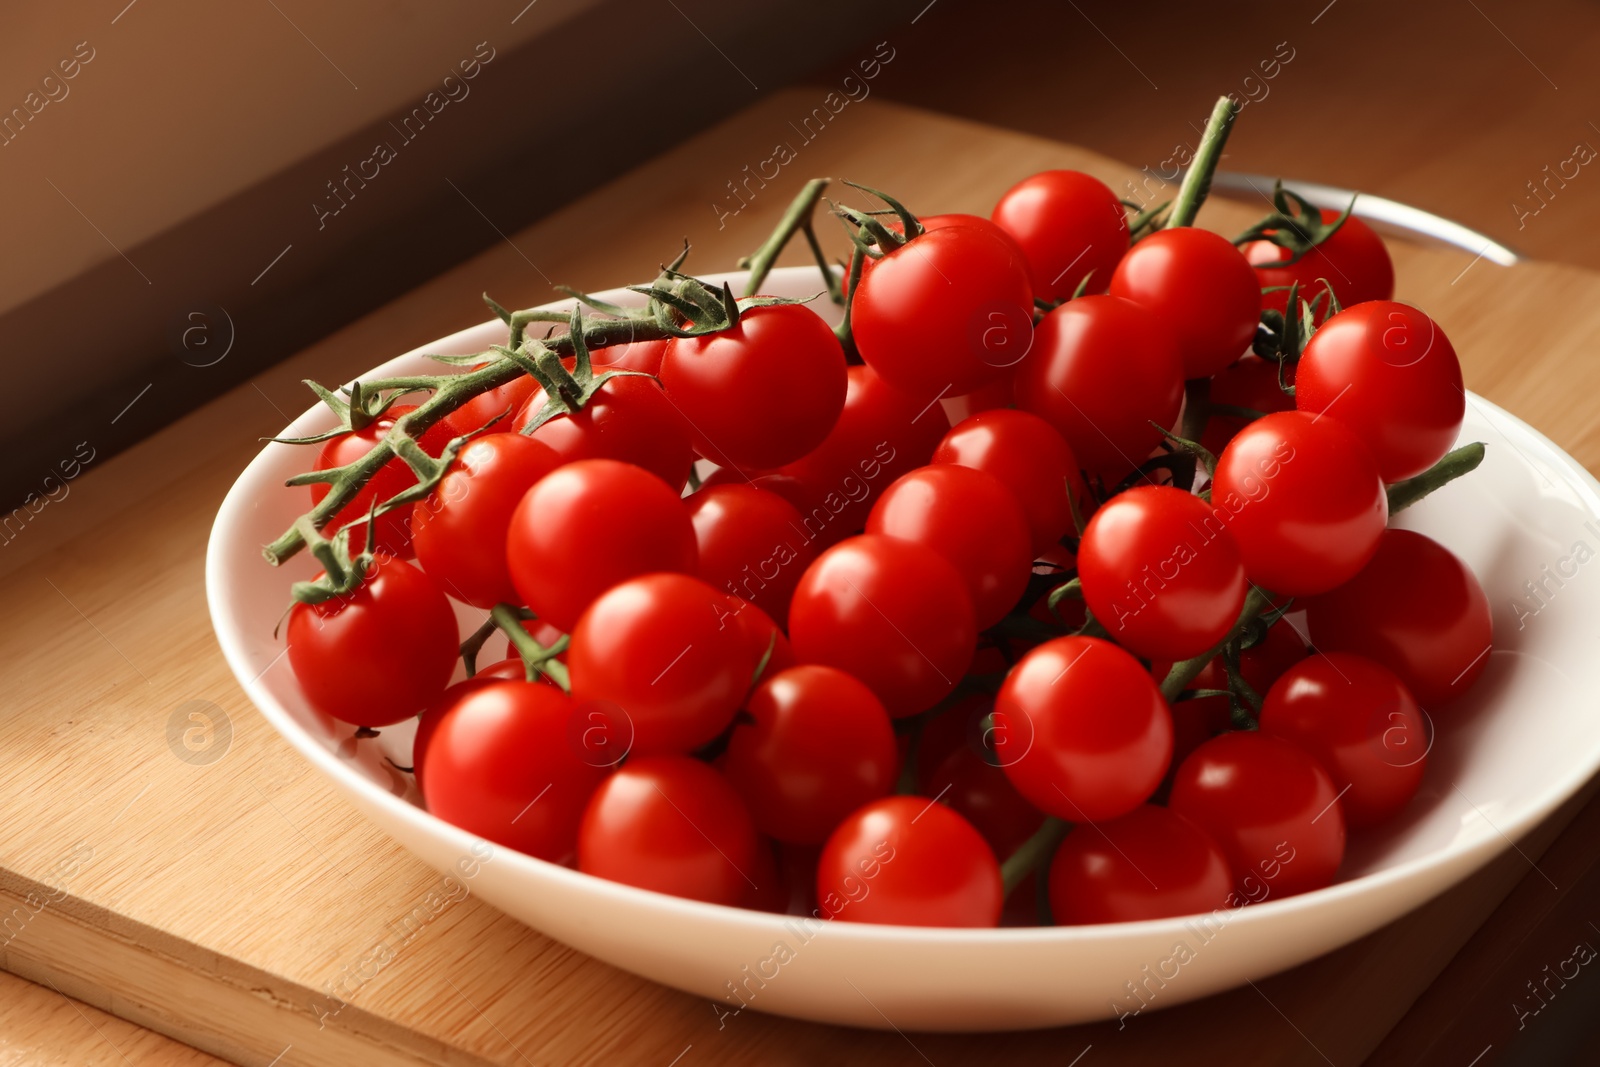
pixel 893 613
pixel 751 542
pixel 1081 730
pixel 818 746
pixel 392 530
pixel 1201 287
pixel 881 434
pixel 1389 373
pixel 1353 261
pixel 380 654
pixel 1070 226
pixel 908 861
pixel 1360 723
pixel 945 312
pixel 1149 864
pixel 666 649
pixel 1252 384
pixel 1416 609
pixel 506 670
pixel 1029 458
pixel 496 408
pixel 761 393
pixel 1161 573
pixel 970 519
pixel 674 825
pixel 629 419
pixel 501 765
pixel 1302 497
pixel 1102 369
pixel 589 525
pixel 1197 720
pixel 471 508
pixel 1271 808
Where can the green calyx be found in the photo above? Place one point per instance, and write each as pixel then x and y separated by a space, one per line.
pixel 1295 225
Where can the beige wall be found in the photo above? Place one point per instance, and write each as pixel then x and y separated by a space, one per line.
pixel 183 103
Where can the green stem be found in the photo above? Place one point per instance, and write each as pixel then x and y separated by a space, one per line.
pixel 842 331
pixel 1463 460
pixel 1178 679
pixel 796 218
pixel 1033 853
pixel 451 391
pixel 536 658
pixel 1197 183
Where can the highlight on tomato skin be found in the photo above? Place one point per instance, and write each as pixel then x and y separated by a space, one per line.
pixel 1133 639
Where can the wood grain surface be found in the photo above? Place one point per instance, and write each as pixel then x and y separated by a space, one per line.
pixel 219 902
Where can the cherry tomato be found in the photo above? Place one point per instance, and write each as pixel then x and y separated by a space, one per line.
pixel 881 434
pixel 1301 495
pixel 1070 226
pixel 500 764
pixel 1270 807
pixel 496 408
pixel 752 544
pixel 380 654
pixel 589 525
pixel 1251 383
pixel 628 419
pixel 1360 723
pixel 763 392
pixel 1201 287
pixel 392 530
pixel 1197 720
pixel 970 519
pixel 1102 369
pixel 893 613
pixel 471 508
pixel 1416 609
pixel 1081 730
pixel 1151 863
pixel 909 861
pixel 945 312
pixel 936 222
pixel 1029 458
pixel 674 825
pixel 667 650
pixel 506 670
pixel 1161 573
pixel 818 746
pixel 1389 373
pixel 1353 262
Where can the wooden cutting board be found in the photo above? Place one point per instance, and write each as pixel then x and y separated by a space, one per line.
pixel 222 898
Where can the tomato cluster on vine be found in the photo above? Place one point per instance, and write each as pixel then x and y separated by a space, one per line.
pixel 1134 631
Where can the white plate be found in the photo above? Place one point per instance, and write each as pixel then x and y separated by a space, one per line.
pixel 1523 741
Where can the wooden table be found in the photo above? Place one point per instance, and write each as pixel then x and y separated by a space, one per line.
pixel 216 902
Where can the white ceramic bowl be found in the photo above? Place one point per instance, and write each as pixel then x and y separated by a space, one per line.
pixel 1523 741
